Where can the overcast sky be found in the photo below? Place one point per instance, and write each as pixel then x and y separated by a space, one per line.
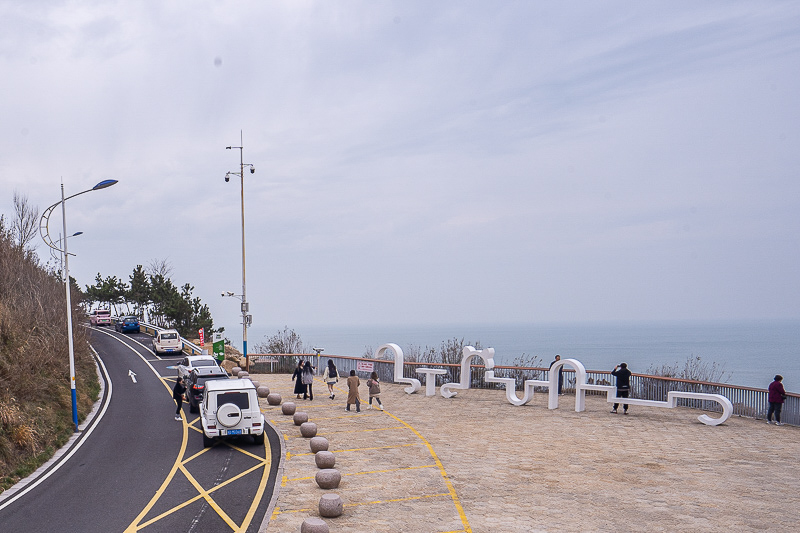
pixel 419 162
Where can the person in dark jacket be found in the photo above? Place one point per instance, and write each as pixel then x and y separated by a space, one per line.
pixel 299 388
pixel 177 395
pixel 560 373
pixel 623 376
pixel 777 394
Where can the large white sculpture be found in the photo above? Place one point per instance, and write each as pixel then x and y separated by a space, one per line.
pixel 398 367
pixel 468 353
pixel 581 386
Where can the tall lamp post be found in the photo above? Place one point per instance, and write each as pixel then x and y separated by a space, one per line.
pixel 44 231
pixel 247 318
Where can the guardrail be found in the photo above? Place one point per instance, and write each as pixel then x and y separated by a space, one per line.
pixel 747 401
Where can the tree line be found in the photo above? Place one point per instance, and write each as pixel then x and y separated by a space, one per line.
pixel 152 296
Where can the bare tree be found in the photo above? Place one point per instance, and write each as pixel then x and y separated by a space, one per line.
pixel 25 221
pixel 159 267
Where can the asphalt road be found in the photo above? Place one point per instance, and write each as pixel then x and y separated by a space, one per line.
pixel 140 469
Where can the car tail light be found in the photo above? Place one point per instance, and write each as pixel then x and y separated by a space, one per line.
pixel 198 387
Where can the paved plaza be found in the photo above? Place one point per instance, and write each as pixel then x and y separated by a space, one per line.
pixel 476 463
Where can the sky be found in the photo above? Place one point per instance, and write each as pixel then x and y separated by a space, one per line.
pixel 419 162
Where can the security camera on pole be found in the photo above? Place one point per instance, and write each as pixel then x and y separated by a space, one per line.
pixel 247 319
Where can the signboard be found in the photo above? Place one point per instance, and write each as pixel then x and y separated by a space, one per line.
pixel 202 336
pixel 365 366
pixel 219 347
pixel 263 359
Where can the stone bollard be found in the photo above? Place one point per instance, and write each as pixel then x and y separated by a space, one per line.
pixel 318 444
pixel 308 429
pixel 328 478
pixel 314 525
pixel 255 383
pixel 288 408
pixel 273 398
pixel 300 418
pixel 235 370
pixel 243 374
pixel 262 391
pixel 324 459
pixel 331 506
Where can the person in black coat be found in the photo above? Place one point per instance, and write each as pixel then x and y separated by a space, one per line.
pixel 177 395
pixel 299 387
pixel 623 376
pixel 560 374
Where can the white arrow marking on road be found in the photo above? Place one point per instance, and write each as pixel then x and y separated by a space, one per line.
pixel 132 374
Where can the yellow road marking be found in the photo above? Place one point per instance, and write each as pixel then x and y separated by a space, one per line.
pixel 290 454
pixel 364 473
pixel 395 500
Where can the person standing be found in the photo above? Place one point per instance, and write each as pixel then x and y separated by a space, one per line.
pixel 776 397
pixel 374 386
pixel 331 377
pixel 560 374
pixel 352 391
pixel 623 376
pixel 308 381
pixel 177 395
pixel 299 388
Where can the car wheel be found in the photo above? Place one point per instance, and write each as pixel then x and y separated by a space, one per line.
pixel 193 408
pixel 259 439
pixel 207 441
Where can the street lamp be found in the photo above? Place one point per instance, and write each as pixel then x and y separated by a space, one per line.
pixel 247 319
pixel 44 231
pixel 60 257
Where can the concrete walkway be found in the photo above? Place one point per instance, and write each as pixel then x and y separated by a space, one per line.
pixel 475 463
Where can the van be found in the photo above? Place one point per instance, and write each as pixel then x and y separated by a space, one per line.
pixel 167 341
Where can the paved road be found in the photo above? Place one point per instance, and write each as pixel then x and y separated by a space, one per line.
pixel 140 470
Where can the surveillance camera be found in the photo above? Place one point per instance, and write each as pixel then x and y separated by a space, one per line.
pixel 223 294
pixel 227 178
pixel 252 170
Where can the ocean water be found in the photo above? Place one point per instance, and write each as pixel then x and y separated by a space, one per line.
pixel 749 352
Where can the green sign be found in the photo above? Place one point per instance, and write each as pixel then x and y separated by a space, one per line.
pixel 219 347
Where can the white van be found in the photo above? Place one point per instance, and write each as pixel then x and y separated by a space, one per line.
pixel 167 341
pixel 230 407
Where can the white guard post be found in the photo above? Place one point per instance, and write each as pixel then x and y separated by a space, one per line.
pixel 611 393
pixel 398 367
pixel 466 370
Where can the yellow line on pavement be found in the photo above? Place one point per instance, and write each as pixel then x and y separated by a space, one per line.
pixel 447 481
pixel 365 473
pixel 395 500
pixel 290 455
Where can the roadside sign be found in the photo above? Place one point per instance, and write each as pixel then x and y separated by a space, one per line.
pixel 365 366
pixel 202 336
pixel 219 347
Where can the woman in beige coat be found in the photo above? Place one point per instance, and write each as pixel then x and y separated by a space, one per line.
pixel 352 394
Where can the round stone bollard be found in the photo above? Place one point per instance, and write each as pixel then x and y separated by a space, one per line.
pixel 273 398
pixel 331 505
pixel 262 391
pixel 308 429
pixel 235 370
pixel 288 408
pixel 300 418
pixel 324 459
pixel 314 525
pixel 318 444
pixel 243 374
pixel 255 383
pixel 328 478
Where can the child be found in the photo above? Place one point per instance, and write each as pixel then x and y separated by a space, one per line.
pixel 374 385
pixel 352 395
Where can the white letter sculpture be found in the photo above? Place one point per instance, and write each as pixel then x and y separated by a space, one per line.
pixel 398 367
pixel 611 393
pixel 466 370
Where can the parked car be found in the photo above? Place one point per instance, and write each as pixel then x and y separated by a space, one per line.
pixel 230 407
pixel 124 324
pixel 167 341
pixel 190 362
pixel 196 384
pixel 100 317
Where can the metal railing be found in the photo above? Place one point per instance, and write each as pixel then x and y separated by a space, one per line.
pixel 747 401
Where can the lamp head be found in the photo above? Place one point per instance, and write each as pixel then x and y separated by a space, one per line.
pixel 103 184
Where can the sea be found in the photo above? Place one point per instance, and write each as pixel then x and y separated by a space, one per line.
pixel 747 353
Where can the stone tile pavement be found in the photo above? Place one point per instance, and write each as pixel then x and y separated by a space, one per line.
pixel 476 463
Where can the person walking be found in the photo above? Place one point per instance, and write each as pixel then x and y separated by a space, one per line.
pixel 308 380
pixel 331 377
pixel 352 391
pixel 177 395
pixel 776 397
pixel 623 376
pixel 374 385
pixel 560 374
pixel 299 388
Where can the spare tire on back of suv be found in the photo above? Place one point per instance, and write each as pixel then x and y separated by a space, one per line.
pixel 229 415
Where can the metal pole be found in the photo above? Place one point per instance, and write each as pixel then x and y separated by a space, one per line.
pixel 69 314
pixel 244 282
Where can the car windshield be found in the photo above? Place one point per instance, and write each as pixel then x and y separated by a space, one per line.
pixel 104 313
pixel 240 399
pixel 131 320
pixel 169 336
pixel 204 362
pixel 201 381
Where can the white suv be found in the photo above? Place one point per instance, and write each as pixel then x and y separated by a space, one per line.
pixel 230 407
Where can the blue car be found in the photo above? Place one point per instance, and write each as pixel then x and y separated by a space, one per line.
pixel 125 324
